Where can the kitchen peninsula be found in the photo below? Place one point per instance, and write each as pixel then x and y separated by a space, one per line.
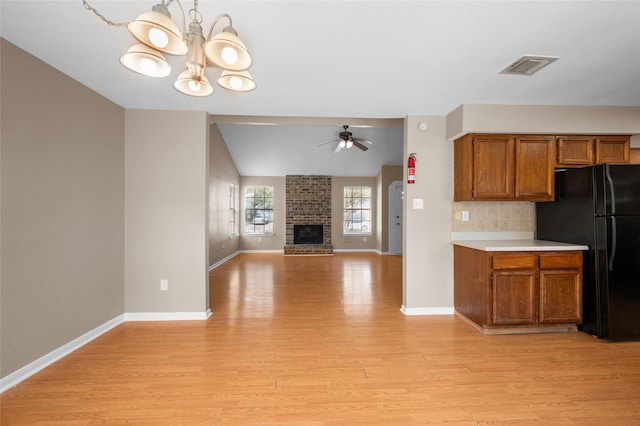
pixel 518 286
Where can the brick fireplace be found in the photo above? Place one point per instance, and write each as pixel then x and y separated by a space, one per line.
pixel 308 204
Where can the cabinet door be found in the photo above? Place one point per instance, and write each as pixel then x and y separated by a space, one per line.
pixel 535 162
pixel 493 163
pixel 575 151
pixel 560 297
pixel 514 298
pixel 613 149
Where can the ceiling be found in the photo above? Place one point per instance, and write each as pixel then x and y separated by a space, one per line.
pixel 352 61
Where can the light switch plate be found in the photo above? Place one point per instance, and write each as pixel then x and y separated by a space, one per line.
pixel 418 203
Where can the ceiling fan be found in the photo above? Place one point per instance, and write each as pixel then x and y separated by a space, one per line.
pixel 346 140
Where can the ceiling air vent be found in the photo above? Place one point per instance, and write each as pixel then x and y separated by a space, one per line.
pixel 527 65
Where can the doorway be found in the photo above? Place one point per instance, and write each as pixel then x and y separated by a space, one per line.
pixel 396 189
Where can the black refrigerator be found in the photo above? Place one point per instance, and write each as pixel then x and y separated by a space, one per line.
pixel 599 206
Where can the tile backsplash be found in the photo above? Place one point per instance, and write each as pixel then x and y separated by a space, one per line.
pixel 494 216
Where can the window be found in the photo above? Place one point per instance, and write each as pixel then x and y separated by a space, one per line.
pixel 258 210
pixel 357 210
pixel 233 210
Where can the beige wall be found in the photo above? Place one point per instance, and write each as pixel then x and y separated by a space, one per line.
pixel 266 242
pixel 222 173
pixel 427 251
pixel 166 211
pixel 469 118
pixel 62 177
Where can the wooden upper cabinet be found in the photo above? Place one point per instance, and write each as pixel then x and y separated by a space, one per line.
pixel 503 167
pixel 512 167
pixel 580 151
pixel 575 150
pixel 535 162
pixel 493 167
pixel 613 149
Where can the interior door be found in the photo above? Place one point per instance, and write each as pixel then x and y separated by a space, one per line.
pixel 395 217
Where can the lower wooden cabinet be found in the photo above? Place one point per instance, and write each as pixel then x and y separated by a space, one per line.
pixel 514 297
pixel 518 291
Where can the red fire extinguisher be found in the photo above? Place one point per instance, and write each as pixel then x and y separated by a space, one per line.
pixel 411 168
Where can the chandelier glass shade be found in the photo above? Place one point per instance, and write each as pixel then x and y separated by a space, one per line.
pixel 238 81
pixel 146 61
pixel 156 30
pixel 192 86
pixel 227 51
pixel 157 34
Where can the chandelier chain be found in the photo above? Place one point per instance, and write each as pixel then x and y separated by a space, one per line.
pixel 102 17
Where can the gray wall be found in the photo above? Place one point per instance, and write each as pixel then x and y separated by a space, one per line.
pixel 222 173
pixel 62 186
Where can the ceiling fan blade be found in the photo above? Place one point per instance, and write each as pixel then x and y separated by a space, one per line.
pixel 359 145
pixel 362 141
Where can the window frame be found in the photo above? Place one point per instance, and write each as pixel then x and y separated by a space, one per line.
pixel 267 201
pixel 234 210
pixel 355 206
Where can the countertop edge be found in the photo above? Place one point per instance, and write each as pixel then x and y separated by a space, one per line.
pixel 519 245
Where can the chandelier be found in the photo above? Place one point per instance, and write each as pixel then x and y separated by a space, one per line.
pixel 157 34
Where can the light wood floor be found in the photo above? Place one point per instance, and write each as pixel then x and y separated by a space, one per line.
pixel 321 341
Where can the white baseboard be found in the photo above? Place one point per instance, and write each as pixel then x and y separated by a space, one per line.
pixel 220 262
pixel 427 311
pixel 41 363
pixel 355 250
pixel 167 316
pixel 263 251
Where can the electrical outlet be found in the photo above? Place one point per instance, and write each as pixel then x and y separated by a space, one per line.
pixel 458 215
pixel 164 285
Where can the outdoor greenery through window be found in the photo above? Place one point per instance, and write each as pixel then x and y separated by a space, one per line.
pixel 233 210
pixel 357 210
pixel 258 210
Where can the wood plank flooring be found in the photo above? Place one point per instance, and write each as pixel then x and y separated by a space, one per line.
pixel 321 341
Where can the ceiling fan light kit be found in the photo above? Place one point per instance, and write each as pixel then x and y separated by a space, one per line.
pixel 157 34
pixel 346 140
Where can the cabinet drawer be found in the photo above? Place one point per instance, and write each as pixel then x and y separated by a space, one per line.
pixel 514 261
pixel 560 261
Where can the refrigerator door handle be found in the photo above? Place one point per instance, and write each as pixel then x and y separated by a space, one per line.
pixel 607 172
pixel 614 243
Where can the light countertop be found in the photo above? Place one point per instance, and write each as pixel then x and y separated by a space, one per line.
pixel 518 245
